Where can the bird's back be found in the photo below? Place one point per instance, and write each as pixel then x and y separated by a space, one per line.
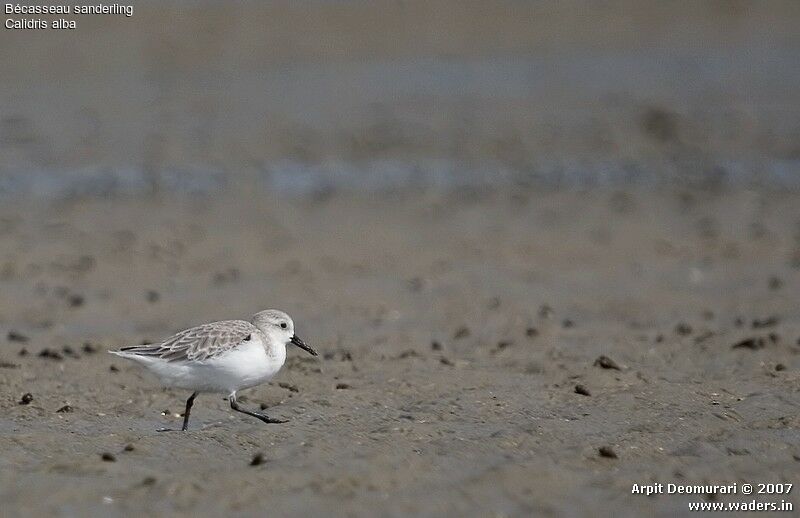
pixel 196 344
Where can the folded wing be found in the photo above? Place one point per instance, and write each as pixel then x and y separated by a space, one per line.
pixel 198 343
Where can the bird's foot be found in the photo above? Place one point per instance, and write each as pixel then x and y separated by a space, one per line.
pixel 270 420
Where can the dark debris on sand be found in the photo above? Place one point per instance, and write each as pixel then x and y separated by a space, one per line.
pixel 752 343
pixel 50 354
pixel 288 386
pixel 69 351
pixel 15 336
pixel 75 300
pixel 502 344
pixel 607 452
pixel 108 457
pixel 683 329
pixel 775 283
pixel 760 323
pixel 582 390
pixel 461 332
pixel 341 355
pixel 606 363
pixel 699 339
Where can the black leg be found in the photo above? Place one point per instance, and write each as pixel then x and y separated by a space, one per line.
pixel 257 415
pixel 189 403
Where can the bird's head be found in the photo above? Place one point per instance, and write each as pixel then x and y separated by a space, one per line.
pixel 279 326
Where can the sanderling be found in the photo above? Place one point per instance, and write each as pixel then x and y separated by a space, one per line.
pixel 224 357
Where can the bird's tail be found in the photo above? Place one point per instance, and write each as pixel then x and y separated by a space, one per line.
pixel 134 352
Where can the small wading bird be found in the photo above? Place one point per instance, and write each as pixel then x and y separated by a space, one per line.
pixel 222 357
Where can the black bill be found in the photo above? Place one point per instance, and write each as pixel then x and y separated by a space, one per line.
pixel 302 345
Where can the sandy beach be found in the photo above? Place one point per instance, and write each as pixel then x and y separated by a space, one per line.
pixel 482 353
pixel 549 252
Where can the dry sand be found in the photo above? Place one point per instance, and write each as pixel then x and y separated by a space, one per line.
pixel 453 330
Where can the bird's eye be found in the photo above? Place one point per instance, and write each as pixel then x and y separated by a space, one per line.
pixel 283 325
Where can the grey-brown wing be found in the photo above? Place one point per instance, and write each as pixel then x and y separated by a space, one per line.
pixel 198 343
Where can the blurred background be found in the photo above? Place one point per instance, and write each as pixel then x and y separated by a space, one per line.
pixel 300 96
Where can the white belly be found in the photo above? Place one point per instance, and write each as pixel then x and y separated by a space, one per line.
pixel 246 366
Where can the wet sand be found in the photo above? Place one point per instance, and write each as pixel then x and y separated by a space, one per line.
pixel 454 331
pixel 186 96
